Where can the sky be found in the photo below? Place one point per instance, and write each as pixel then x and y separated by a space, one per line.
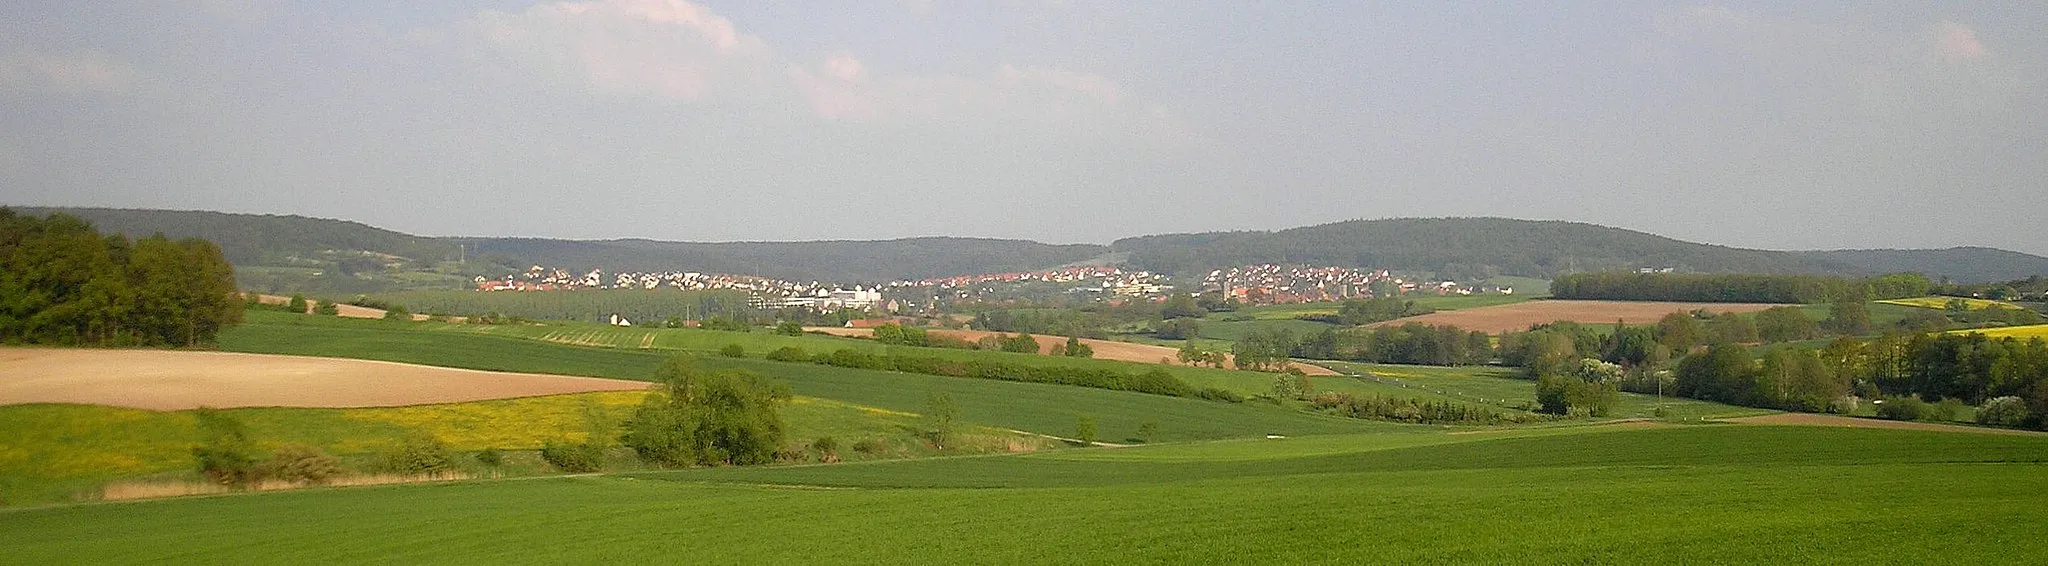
pixel 1780 125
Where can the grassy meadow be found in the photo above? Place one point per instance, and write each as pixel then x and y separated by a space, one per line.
pixel 1676 494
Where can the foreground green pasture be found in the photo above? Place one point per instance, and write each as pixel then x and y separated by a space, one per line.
pixel 56 452
pixel 1698 494
pixel 1038 408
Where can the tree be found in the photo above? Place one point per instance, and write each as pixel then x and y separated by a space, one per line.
pixel 940 416
pixel 1680 331
pixel 1148 431
pixel 1181 305
pixel 789 328
pixel 1084 430
pixel 1849 316
pixel 297 304
pixel 708 417
pixel 1177 329
pixel 1785 324
pixel 1075 349
pixel 1022 343
pixel 225 454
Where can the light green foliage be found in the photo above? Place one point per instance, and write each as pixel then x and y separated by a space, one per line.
pixel 733 351
pixel 708 417
pixel 789 328
pixel 1075 349
pixel 1084 430
pixel 2003 411
pixel 226 455
pixel 940 418
pixel 419 454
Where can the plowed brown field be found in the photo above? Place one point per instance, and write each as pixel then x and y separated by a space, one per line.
pixel 175 380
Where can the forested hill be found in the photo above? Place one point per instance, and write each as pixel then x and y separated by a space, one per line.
pixel 1962 265
pixel 1462 248
pixel 259 239
pixel 838 260
pixel 297 241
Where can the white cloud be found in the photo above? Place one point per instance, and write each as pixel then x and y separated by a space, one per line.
pixel 1957 42
pixel 82 72
pixel 664 48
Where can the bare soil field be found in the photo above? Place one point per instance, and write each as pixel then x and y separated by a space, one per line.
pixel 1104 349
pixel 340 309
pixel 175 380
pixel 1809 419
pixel 1520 316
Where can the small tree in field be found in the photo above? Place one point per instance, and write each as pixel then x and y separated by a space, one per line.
pixel 297 304
pixel 225 454
pixel 1084 431
pixel 940 416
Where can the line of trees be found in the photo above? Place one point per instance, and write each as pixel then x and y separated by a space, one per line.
pixel 1412 343
pixel 1966 368
pixel 1156 381
pixel 1735 288
pixel 63 283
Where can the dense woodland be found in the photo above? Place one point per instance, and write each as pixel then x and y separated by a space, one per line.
pixel 64 283
pixel 1735 288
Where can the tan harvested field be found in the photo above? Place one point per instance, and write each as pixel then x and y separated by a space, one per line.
pixel 340 309
pixel 1520 316
pixel 1104 349
pixel 175 380
pixel 1809 419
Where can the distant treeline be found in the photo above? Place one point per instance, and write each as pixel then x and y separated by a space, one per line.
pixel 1412 343
pixel 1735 288
pixel 63 283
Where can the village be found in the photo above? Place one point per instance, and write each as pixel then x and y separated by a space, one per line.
pixel 1260 284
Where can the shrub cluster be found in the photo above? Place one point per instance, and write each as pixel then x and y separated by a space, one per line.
pixel 1394 409
pixel 1155 381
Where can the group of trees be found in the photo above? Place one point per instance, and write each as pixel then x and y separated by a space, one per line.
pixel 62 282
pixel 1412 343
pixel 1359 312
pixel 707 418
pixel 1404 410
pixel 1735 288
pixel 1967 368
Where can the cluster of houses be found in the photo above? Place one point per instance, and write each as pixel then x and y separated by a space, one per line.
pixel 1287 284
pixel 764 292
pixel 1108 280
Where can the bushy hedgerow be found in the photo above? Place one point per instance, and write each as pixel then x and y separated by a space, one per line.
pixel 1394 409
pixel 1156 381
pixel 573 457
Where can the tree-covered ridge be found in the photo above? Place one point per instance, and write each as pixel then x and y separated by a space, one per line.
pixel 1969 265
pixel 1735 288
pixel 262 239
pixel 62 282
pixel 1461 248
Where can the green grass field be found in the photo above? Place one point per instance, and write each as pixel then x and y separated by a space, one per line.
pixel 1039 408
pixel 1492 385
pixel 1682 494
pixel 58 452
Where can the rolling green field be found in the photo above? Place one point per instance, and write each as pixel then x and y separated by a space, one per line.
pixel 58 451
pixel 1678 494
pixel 1033 407
pixel 1492 385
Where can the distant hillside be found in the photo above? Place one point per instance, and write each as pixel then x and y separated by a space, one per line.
pixel 1960 265
pixel 260 239
pixel 839 260
pixel 1463 248
pixel 336 246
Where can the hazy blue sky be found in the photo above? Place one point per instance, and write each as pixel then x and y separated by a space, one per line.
pixel 1769 124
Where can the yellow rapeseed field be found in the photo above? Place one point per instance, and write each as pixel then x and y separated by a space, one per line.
pixel 1942 303
pixel 2021 332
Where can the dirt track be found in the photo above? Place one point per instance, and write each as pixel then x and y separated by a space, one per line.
pixel 1520 316
pixel 1809 419
pixel 175 380
pixel 344 310
pixel 1104 349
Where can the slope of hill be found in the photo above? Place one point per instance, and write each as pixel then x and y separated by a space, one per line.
pixel 260 239
pixel 1464 248
pixel 1961 265
pixel 836 260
